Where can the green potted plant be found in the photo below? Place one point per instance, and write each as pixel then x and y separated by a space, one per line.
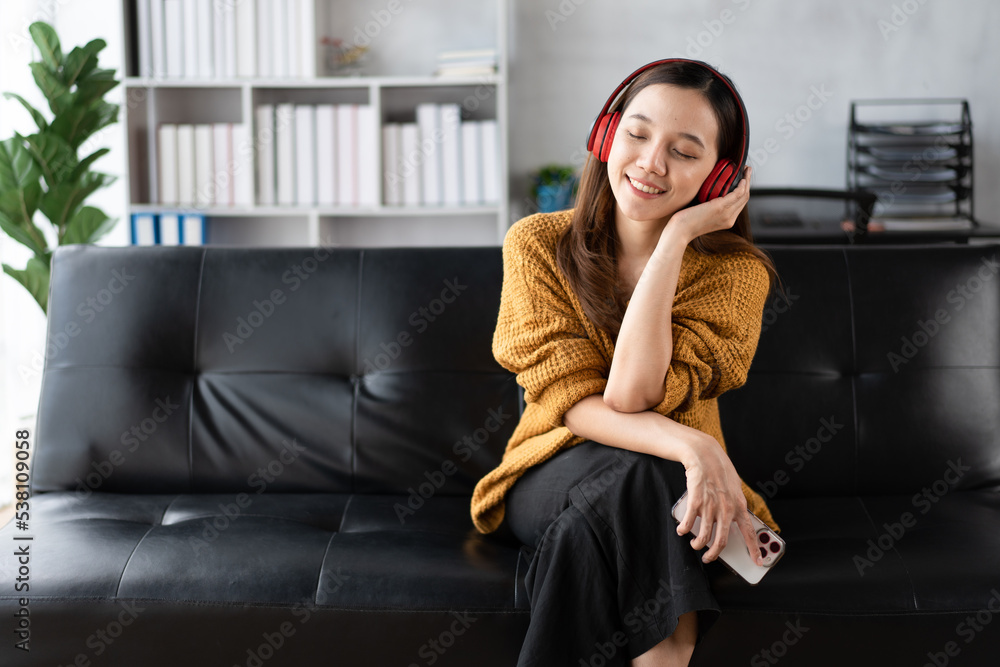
pixel 553 187
pixel 42 171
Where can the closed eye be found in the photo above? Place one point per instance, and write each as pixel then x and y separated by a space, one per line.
pixel 688 157
pixel 633 136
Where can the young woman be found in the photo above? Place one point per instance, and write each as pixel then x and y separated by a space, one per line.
pixel 624 319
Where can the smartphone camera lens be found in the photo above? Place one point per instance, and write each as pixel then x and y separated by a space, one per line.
pixel 775 547
pixel 764 538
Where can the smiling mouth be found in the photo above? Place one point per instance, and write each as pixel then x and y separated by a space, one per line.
pixel 643 188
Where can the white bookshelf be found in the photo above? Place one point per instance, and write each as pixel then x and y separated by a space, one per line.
pixel 401 59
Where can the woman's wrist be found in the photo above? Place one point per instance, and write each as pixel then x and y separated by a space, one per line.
pixel 671 239
pixel 680 443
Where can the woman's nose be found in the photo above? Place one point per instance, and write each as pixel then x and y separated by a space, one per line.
pixel 651 159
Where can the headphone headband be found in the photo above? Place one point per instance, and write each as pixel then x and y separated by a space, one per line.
pixel 609 128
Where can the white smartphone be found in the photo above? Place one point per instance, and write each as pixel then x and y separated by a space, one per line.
pixel 735 555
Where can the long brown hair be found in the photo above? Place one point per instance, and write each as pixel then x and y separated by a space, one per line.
pixel 586 252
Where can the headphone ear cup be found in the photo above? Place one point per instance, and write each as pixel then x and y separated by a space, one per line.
pixel 606 129
pixel 718 182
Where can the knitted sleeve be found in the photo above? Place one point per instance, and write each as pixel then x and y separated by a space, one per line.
pixel 716 326
pixel 538 334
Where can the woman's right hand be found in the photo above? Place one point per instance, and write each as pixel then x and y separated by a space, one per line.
pixel 710 216
pixel 715 493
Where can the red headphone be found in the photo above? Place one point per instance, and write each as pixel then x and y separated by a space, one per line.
pixel 726 174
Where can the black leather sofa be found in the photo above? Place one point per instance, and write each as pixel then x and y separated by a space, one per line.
pixel 263 457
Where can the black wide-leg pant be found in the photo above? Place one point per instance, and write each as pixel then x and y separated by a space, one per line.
pixel 608 574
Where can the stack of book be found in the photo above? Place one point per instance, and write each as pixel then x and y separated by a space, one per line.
pixel 203 39
pixel 322 154
pixel 440 160
pixel 205 165
pixel 168 228
pixel 480 62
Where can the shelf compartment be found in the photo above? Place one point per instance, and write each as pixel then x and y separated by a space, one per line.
pixel 256 230
pixel 461 228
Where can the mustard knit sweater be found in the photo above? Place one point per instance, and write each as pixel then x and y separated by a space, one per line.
pixel 560 356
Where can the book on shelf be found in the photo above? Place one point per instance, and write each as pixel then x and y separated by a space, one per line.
pixel 429 122
pixel 472 157
pixel 167 153
pixel 460 158
pixel 171 222
pixel 143 230
pixel 284 151
pixel 222 155
pixel 490 161
pixel 185 165
pixel 366 157
pixel 246 47
pixel 203 39
pixel 326 159
pixel 278 25
pixel 409 164
pixel 169 228
pixel 392 151
pixel 305 154
pixel 193 229
pixel 173 40
pixel 264 116
pixel 346 147
pixel 239 169
pixel 170 231
pixel 205 165
pixel 478 62
pixel 451 154
pixel 310 155
pixel 265 37
pixel 189 38
pixel 206 67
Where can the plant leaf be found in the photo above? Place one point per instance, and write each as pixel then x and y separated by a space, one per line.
pixel 20 235
pixel 60 203
pixel 35 113
pixel 67 124
pixel 85 164
pixel 88 225
pixel 79 123
pixel 17 169
pixel 93 87
pixel 19 186
pixel 54 157
pixel 48 43
pixel 81 61
pixel 55 91
pixel 20 205
pixel 35 278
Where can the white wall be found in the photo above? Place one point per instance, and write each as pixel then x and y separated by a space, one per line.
pixel 567 56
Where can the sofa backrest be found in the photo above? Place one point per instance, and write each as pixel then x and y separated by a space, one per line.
pixel 213 369
pixel 880 374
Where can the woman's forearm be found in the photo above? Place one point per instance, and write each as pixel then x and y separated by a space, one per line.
pixel 644 347
pixel 647 432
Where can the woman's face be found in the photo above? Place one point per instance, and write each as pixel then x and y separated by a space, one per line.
pixel 663 150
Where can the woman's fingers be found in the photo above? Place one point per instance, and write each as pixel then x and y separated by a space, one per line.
pixel 720 537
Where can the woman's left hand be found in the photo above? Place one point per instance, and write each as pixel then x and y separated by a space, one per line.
pixel 713 215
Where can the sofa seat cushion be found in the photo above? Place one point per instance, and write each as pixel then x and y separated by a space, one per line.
pixel 887 554
pixel 337 550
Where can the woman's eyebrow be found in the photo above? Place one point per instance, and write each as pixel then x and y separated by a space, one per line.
pixel 685 135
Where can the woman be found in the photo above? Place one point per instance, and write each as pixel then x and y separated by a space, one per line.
pixel 625 318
